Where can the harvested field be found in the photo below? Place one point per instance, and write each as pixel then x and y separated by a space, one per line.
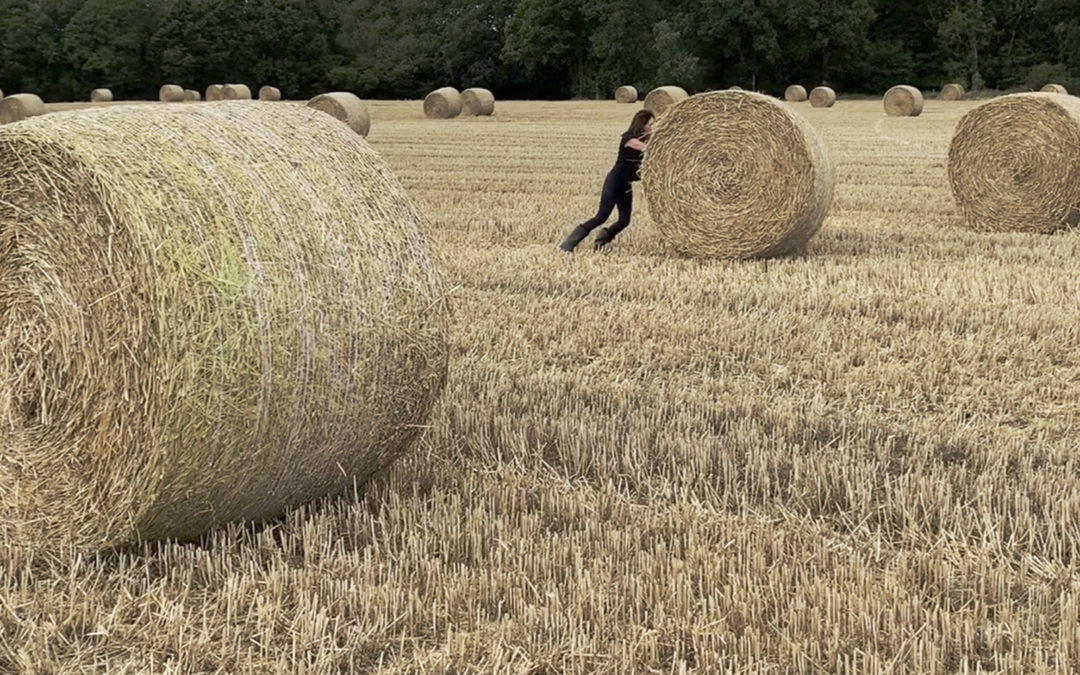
pixel 860 460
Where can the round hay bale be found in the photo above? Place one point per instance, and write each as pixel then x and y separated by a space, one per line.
pixel 1055 89
pixel 822 97
pixel 626 94
pixel 953 92
pixel 171 93
pixel 735 174
pixel 1013 164
pixel 660 99
pixel 1 93
pixel 267 93
pixel 477 101
pixel 101 96
pixel 796 93
pixel 236 92
pixel 735 87
pixel 18 107
pixel 346 107
pixel 443 103
pixel 217 313
pixel 903 101
pixel 214 92
pixel 192 96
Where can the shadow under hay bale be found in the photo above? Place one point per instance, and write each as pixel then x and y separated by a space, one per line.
pixel 443 103
pixel 238 314
pixel 822 97
pixel 18 107
pixel 795 93
pixel 476 101
pixel 733 174
pixel 660 99
pixel 345 107
pixel 903 101
pixel 626 94
pixel 101 96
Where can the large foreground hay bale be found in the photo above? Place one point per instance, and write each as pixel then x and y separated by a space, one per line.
pixel 236 92
pixel 476 101
pixel 953 91
pixel 1013 164
pixel 346 107
pixel 214 92
pixel 795 93
pixel 1055 89
pixel 192 96
pixel 268 93
pixel 822 97
pixel 18 107
pixel 626 94
pixel 101 96
pixel 209 314
pixel 660 99
pixel 171 93
pixel 443 103
pixel 903 101
pixel 733 174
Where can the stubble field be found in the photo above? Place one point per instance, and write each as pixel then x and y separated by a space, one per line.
pixel 861 460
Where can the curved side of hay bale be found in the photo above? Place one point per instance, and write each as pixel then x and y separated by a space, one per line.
pixel 903 101
pixel 1012 164
pixel 268 93
pixel 822 97
pixel 795 93
pixel 954 91
pixel 192 96
pixel 736 175
pixel 1055 89
pixel 1 94
pixel 18 107
pixel 101 96
pixel 626 94
pixel 442 103
pixel 236 92
pixel 660 99
pixel 346 107
pixel 265 330
pixel 477 101
pixel 171 93
pixel 214 92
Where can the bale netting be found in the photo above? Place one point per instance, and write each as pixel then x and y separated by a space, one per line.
pixel 18 107
pixel 192 96
pixel 101 96
pixel 268 93
pixel 210 314
pixel 171 93
pixel 477 101
pixel 214 92
pixel 346 107
pixel 795 93
pixel 236 92
pixel 1013 164
pixel 822 97
pixel 443 103
pixel 626 94
pixel 953 92
pixel 735 174
pixel 1055 89
pixel 660 99
pixel 903 101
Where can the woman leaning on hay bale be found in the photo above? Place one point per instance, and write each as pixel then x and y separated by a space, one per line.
pixel 618 186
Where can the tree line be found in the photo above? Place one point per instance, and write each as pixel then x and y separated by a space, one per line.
pixel 61 49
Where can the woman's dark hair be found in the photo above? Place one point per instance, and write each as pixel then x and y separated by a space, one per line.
pixel 637 125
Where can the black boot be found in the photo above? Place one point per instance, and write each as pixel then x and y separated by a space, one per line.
pixel 602 239
pixel 574 238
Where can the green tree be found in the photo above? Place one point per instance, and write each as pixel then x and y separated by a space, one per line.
pixel 965 32
pixel 106 40
pixel 553 35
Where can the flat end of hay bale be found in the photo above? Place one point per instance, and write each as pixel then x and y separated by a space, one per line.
pixel 903 101
pixel 18 107
pixel 346 107
pixel 477 101
pixel 443 103
pixel 626 94
pixel 101 96
pixel 660 99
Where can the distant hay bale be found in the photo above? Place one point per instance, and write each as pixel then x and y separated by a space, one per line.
pixel 18 107
pixel 733 174
pixel 236 92
pixel 1055 89
pixel 822 97
pixel 476 101
pixel 443 103
pixel 268 93
pixel 210 314
pixel 660 99
pixel 796 93
pixel 101 96
pixel 171 93
pixel 626 94
pixel 214 92
pixel 903 101
pixel 192 96
pixel 1 93
pixel 735 87
pixel 346 107
pixel 953 92
pixel 1013 164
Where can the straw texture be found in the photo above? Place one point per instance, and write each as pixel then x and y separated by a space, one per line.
pixel 268 93
pixel 1055 89
pixel 346 107
pixel 476 101
pixel 209 314
pixel 18 107
pixel 796 93
pixel 660 99
pixel 214 92
pixel 192 96
pixel 1014 164
pixel 171 93
pixel 101 96
pixel 236 92
pixel 822 97
pixel 903 101
pixel 626 94
pixel 953 92
pixel 443 103
pixel 732 174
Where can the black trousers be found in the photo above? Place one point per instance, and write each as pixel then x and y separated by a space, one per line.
pixel 617 193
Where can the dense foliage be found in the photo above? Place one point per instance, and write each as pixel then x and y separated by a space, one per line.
pixel 533 48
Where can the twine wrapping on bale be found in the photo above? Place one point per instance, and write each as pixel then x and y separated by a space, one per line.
pixel 18 107
pixel 660 99
pixel 209 314
pixel 101 96
pixel 796 93
pixel 171 93
pixel 822 97
pixel 346 107
pixel 731 174
pixel 1055 89
pixel 626 94
pixel 214 92
pixel 476 101
pixel 1014 164
pixel 192 96
pixel 443 103
pixel 268 93
pixel 903 101
pixel 953 92
pixel 236 92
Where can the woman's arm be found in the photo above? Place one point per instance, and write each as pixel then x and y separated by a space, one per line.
pixel 637 144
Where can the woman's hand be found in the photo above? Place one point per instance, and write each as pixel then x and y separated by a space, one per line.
pixel 638 144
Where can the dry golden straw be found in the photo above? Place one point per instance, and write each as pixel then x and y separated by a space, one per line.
pixel 214 92
pixel 443 103
pixel 903 101
pixel 192 96
pixel 268 93
pixel 1055 89
pixel 1014 164
pixel 18 107
pixel 171 93
pixel 822 97
pixel 236 92
pixel 660 99
pixel 796 93
pixel 209 314
pixel 733 174
pixel 476 101
pixel 346 107
pixel 626 94
pixel 953 92
pixel 101 96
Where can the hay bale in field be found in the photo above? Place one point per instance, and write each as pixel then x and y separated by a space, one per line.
pixel 101 96
pixel 346 107
pixel 268 93
pixel 903 101
pixel 626 94
pixel 953 92
pixel 210 314
pixel 1055 89
pixel 18 107
pixel 795 93
pixel 214 92
pixel 822 97
pixel 192 96
pixel 443 103
pixel 731 174
pixel 236 92
pixel 660 99
pixel 476 101
pixel 735 87
pixel 171 93
pixel 1013 164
